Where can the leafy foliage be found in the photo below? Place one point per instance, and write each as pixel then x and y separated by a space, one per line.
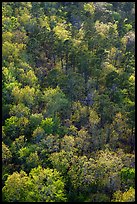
pixel 68 101
pixel 41 185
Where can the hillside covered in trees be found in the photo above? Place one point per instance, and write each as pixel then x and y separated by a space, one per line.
pixel 68 97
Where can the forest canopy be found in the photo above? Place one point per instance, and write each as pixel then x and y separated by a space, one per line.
pixel 68 101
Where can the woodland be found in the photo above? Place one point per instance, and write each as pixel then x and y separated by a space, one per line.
pixel 68 101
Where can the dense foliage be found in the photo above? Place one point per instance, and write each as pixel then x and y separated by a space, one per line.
pixel 68 120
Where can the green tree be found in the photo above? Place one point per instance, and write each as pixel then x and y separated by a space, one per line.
pixel 6 154
pixel 127 196
pixel 42 185
pixel 109 165
pixel 15 126
pixel 16 187
pixel 55 102
pixel 68 101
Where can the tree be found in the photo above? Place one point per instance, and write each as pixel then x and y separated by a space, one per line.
pixel 15 126
pixel 35 121
pixel 128 177
pixel 61 160
pixel 68 101
pixel 109 165
pixel 127 196
pixel 79 114
pixel 19 111
pixel 6 154
pixel 83 142
pixel 16 187
pixel 81 177
pixel 42 185
pixel 68 143
pixel 24 95
pixel 37 135
pixel 47 124
pixel 55 102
